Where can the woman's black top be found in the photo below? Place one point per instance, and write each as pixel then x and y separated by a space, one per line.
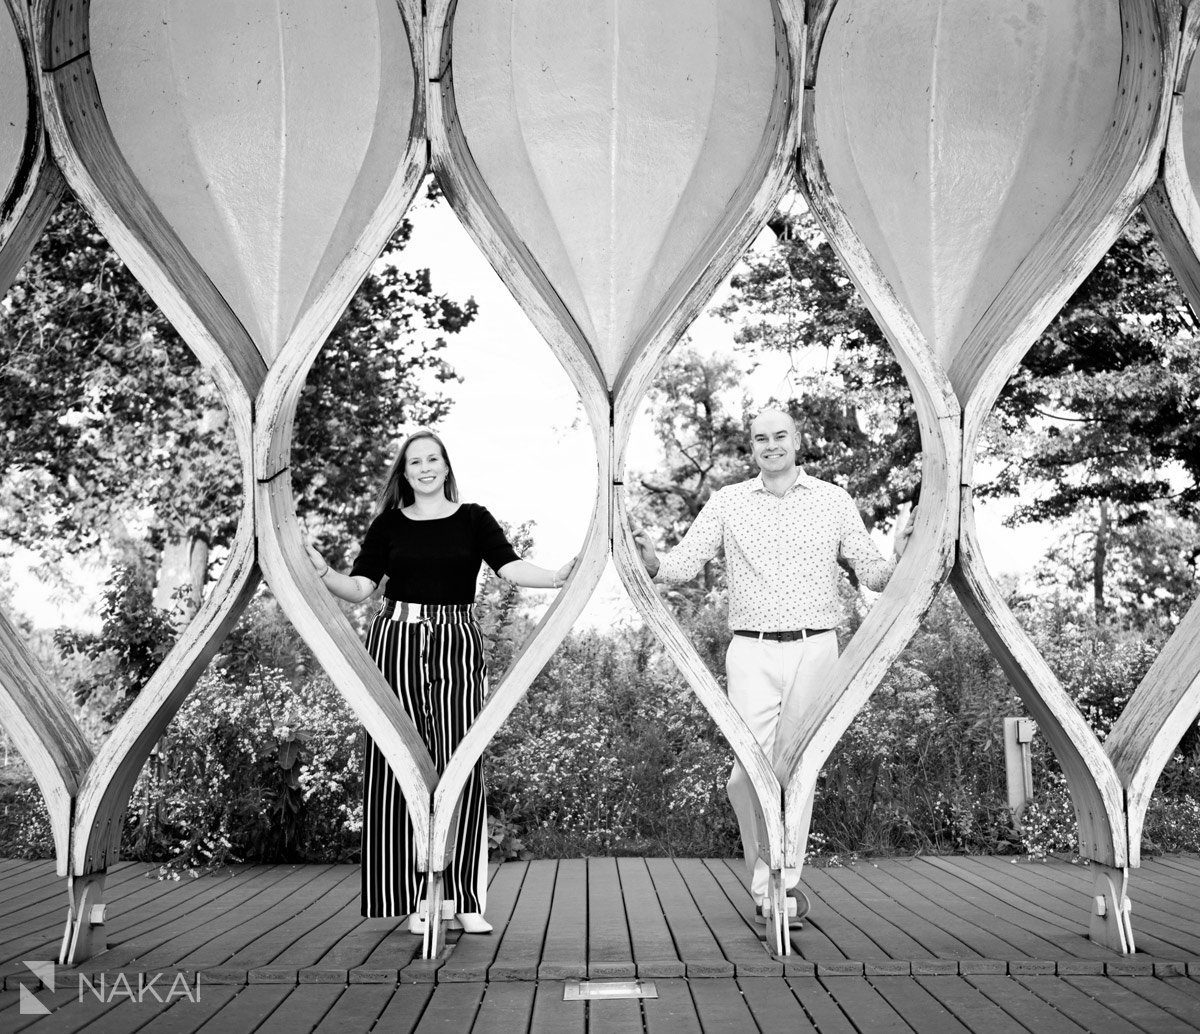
pixel 434 561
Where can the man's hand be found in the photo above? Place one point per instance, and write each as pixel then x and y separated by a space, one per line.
pixel 647 551
pixel 904 530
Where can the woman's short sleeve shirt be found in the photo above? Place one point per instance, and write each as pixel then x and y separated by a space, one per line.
pixel 433 561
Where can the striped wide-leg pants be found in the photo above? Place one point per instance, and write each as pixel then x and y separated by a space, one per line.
pixel 436 666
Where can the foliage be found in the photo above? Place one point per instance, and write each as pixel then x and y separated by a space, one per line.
pixel 134 638
pixel 255 771
pixel 106 413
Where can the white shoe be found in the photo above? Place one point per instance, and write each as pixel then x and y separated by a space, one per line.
pixel 416 924
pixel 471 922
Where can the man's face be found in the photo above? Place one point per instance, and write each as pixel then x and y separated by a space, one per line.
pixel 773 442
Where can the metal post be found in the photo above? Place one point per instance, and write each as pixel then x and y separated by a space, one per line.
pixel 1018 764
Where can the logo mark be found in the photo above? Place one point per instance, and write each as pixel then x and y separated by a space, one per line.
pixel 29 1005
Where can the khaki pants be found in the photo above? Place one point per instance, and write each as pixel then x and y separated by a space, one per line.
pixel 771 685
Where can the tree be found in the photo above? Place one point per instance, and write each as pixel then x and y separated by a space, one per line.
pixel 1100 417
pixel 113 437
pixel 852 406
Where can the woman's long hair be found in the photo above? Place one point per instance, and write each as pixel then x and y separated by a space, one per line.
pixel 396 491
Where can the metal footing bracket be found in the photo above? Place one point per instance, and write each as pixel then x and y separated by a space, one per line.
pixel 84 934
pixel 1111 908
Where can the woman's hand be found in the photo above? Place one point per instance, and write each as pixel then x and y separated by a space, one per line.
pixel 904 530
pixel 564 572
pixel 319 564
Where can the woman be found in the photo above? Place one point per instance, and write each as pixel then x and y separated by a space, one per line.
pixel 429 546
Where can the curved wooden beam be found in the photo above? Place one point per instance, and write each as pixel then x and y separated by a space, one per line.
pixel 31 710
pixel 104 793
pixel 1095 789
pixel 1167 701
pixel 285 564
pixel 975 287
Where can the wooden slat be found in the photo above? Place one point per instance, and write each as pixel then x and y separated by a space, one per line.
pixel 610 952
pixel 1163 994
pixel 865 1006
pixel 811 942
pixel 1054 888
pixel 551 1015
pixel 773 1005
pixel 820 1005
pixel 391 954
pixel 916 1006
pixel 252 1006
pixel 615 1016
pixel 358 1007
pixel 965 911
pixel 301 1010
pixel 737 935
pixel 521 947
pixel 217 941
pixel 854 920
pixel 1032 910
pixel 970 1006
pixel 1022 1005
pixel 654 951
pixel 1089 1011
pixel 474 954
pixel 673 1011
pixel 452 1009
pixel 702 956
pixel 404 1009
pixel 564 954
pixel 507 1007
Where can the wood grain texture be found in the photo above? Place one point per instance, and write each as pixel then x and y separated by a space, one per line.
pixel 32 710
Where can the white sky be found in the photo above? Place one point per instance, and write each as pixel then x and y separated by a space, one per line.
pixel 518 436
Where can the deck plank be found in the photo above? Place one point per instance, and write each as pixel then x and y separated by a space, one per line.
pixel 551 1015
pixel 521 941
pixel 916 1006
pixel 1065 893
pixel 721 1007
pixel 878 918
pixel 970 1006
pixel 614 1016
pixel 773 1005
pixel 474 954
pixel 810 942
pixel 358 1007
pixel 702 955
pixel 1184 1008
pixel 739 938
pixel 249 1008
pixel 1029 908
pixel 302 1010
pixel 1023 1006
pixel 965 911
pixel 564 952
pixel 673 1011
pixel 864 1005
pixel 451 1009
pixel 819 1004
pixel 404 1009
pixel 507 1007
pixel 654 951
pixel 1089 1011
pixel 610 951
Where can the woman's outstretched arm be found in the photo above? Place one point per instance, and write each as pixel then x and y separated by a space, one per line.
pixel 351 589
pixel 530 576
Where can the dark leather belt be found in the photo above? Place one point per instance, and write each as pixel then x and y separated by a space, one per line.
pixel 782 637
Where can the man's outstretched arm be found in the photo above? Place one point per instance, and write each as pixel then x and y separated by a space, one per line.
pixel 697 547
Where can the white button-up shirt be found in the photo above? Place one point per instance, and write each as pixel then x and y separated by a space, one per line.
pixel 781 553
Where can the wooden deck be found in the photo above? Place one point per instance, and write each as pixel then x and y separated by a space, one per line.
pixel 929 944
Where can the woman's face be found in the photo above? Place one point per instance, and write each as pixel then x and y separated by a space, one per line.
pixel 425 467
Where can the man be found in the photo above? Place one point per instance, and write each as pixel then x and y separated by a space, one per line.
pixel 783 533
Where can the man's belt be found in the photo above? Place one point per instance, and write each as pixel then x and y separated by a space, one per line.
pixel 791 635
